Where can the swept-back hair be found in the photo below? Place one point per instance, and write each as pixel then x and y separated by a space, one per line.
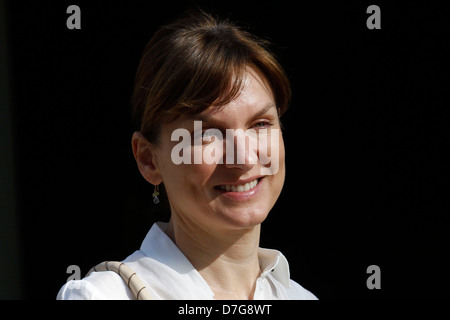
pixel 196 62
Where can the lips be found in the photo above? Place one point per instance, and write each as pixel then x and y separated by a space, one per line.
pixel 241 190
pixel 239 187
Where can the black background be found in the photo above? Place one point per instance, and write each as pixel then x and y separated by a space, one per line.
pixel 367 140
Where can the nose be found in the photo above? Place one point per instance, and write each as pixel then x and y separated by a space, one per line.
pixel 241 150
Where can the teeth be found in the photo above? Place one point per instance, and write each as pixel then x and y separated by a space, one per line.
pixel 239 188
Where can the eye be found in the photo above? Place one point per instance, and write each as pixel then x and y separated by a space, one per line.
pixel 208 136
pixel 211 135
pixel 262 124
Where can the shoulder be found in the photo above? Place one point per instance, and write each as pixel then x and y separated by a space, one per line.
pixel 105 285
pixel 297 292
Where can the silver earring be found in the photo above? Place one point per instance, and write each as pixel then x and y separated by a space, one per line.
pixel 155 195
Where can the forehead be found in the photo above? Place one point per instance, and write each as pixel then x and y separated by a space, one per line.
pixel 255 95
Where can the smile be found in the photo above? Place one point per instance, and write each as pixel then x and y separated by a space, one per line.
pixel 239 188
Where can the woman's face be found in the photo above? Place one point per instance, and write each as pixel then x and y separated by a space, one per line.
pixel 238 193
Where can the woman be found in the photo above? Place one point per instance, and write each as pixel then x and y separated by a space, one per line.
pixel 203 83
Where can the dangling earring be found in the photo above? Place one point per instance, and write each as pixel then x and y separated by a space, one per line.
pixel 155 195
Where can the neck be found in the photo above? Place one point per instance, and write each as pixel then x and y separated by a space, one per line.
pixel 226 259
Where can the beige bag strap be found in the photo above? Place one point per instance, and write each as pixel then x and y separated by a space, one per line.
pixel 130 277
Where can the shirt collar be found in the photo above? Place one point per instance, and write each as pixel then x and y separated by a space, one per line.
pixel 158 246
pixel 274 263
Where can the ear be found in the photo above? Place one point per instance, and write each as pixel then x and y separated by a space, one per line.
pixel 145 156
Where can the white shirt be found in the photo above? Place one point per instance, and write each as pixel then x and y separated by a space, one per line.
pixel 168 274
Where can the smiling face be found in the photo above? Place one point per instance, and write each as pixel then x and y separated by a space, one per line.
pixel 228 195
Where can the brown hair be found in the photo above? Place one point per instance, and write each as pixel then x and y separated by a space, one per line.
pixel 196 62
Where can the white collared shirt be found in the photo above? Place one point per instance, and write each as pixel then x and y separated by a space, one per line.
pixel 168 274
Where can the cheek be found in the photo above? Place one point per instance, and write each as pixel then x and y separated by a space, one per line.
pixel 282 152
pixel 272 154
pixel 280 175
pixel 183 177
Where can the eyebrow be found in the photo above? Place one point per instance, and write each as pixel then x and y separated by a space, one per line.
pixel 268 106
pixel 207 118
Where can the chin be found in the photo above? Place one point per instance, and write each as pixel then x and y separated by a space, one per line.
pixel 241 218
